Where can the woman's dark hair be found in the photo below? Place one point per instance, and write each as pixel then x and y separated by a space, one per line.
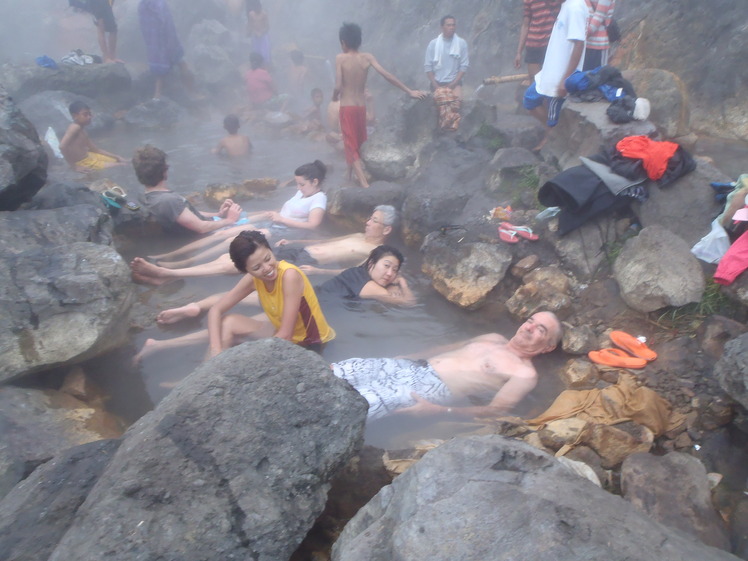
pixel 381 251
pixel 314 170
pixel 244 245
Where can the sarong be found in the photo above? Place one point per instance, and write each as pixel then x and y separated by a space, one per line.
pixel 448 105
pixel 160 35
pixel 386 383
pixel 353 127
pixel 95 161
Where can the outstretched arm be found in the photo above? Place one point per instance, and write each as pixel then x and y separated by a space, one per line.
pixel 417 94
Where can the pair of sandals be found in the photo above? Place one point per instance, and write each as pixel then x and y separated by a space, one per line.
pixel 510 233
pixel 636 346
pixel 115 197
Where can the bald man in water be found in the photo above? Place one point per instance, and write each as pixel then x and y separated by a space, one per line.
pixel 488 367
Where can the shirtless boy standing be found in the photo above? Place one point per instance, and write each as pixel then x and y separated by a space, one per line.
pixel 351 71
pixel 76 146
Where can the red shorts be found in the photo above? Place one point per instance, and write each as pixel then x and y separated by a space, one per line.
pixel 353 128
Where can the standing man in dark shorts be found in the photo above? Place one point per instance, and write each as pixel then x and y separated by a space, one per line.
pixel 537 24
pixel 103 15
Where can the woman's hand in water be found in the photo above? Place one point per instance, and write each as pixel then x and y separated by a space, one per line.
pixel 225 206
pixel 234 212
pixel 276 217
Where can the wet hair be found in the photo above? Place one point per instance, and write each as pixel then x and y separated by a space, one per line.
pixel 350 34
pixel 314 170
pixel 297 57
pixel 231 123
pixel 445 18
pixel 389 214
pixel 76 107
pixel 256 60
pixel 382 251
pixel 317 91
pixel 244 245
pixel 150 165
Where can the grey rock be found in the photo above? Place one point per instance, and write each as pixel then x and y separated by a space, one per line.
pixel 214 67
pixel 524 131
pixel 235 463
pixel 37 425
pixel 61 194
pixel 488 497
pixel 583 250
pixel 668 98
pixel 464 273
pixel 684 207
pixel 731 371
pixel 546 288
pixel 513 169
pixel 354 205
pixel 39 510
pixel 674 490
pixel 97 81
pixel 61 304
pixel 657 269
pixel 23 161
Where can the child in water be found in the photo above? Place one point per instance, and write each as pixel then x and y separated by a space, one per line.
pixel 234 144
pixel 77 148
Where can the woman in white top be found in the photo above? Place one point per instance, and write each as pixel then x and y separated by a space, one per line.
pixel 306 209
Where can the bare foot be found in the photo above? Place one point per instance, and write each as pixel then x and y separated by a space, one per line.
pixel 143 267
pixel 149 347
pixel 153 281
pixel 174 315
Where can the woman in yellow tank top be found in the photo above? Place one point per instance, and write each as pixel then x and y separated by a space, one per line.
pixel 286 297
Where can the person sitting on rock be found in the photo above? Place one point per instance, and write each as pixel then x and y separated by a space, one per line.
pixel 350 249
pixel 290 305
pixel 487 367
pixel 170 209
pixel 234 145
pixel 378 278
pixel 76 146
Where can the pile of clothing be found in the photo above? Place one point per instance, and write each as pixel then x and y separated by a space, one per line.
pixel 606 82
pixel 613 178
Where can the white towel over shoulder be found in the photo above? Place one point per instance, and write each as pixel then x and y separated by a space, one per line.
pixel 454 50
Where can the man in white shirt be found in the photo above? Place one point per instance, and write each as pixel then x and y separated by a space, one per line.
pixel 447 58
pixel 565 54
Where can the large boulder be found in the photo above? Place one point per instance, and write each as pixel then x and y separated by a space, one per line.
pixel 235 463
pixel 657 269
pixel 61 303
pixel 731 370
pixel 684 207
pixel 488 497
pixel 98 81
pixel 160 113
pixel 668 98
pixel 674 489
pixel 23 161
pixel 39 510
pixel 464 273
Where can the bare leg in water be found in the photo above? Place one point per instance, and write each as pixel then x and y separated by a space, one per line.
pixel 206 241
pixel 194 309
pixel 234 328
pixel 148 273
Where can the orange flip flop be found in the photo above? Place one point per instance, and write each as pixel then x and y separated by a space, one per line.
pixel 633 345
pixel 508 236
pixel 521 231
pixel 617 358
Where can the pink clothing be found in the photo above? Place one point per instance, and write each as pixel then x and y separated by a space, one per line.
pixel 597 32
pixel 733 262
pixel 259 85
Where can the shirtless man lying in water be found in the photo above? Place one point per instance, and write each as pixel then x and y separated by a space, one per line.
pixel 345 250
pixel 489 367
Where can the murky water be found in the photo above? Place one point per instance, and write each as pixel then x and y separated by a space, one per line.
pixel 364 328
